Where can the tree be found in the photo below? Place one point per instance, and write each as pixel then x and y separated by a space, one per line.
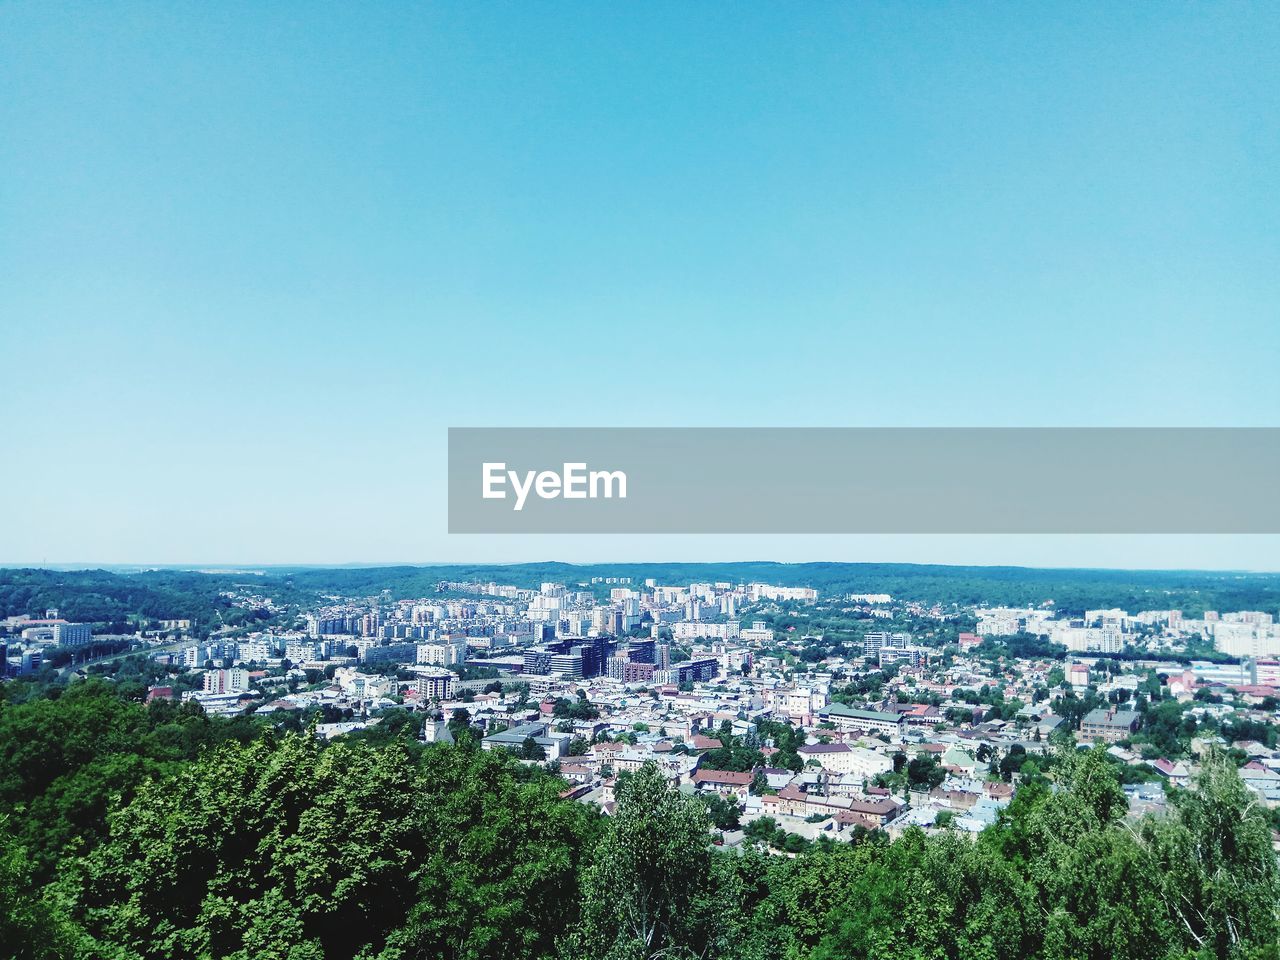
pixel 258 848
pixel 1215 866
pixel 499 878
pixel 732 754
pixel 287 848
pixel 646 894
pixel 531 749
pixel 1013 761
pixel 460 724
pixel 30 927
pixel 580 709
pixel 723 813
pixel 925 773
pixel 63 761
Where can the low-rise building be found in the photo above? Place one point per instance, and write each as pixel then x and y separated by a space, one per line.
pixel 876 721
pixel 1109 726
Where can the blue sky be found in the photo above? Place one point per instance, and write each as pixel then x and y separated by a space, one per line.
pixel 255 259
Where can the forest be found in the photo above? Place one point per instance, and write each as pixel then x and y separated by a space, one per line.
pixel 106 597
pixel 134 831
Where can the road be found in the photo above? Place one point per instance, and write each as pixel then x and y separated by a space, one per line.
pixel 159 648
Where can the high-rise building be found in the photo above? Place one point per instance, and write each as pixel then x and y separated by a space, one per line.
pixel 629 671
pixel 642 651
pixel 696 671
pixel 568 664
pixel 436 685
pixel 758 632
pixel 231 680
pixel 72 634
pixel 537 661
pixel 389 653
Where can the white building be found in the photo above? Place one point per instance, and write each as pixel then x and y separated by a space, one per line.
pixel 232 680
pixel 446 652
pixel 842 758
pixel 757 633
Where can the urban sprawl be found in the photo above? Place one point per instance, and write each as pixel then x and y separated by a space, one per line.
pixel 914 716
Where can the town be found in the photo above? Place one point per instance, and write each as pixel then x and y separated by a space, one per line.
pixel 796 716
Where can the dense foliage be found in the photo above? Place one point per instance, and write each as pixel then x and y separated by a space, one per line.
pixel 65 761
pixel 99 596
pixel 140 832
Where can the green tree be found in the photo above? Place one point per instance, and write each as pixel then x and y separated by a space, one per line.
pixel 1214 863
pixel 530 749
pixel 502 858
pixel 645 894
pixel 31 928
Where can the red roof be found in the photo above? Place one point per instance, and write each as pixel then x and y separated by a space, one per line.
pixel 722 776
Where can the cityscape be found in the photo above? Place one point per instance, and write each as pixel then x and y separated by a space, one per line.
pixel 650 481
pixel 792 722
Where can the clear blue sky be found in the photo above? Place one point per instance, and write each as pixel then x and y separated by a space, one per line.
pixel 256 258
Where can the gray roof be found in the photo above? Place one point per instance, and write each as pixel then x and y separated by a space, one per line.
pixel 840 710
pixel 1105 718
pixel 516 735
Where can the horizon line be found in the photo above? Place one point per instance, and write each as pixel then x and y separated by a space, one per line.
pixel 199 566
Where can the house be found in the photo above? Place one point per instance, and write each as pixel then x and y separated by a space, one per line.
pixel 1255 693
pixel 922 714
pixel 577 773
pixel 880 810
pixel 1175 771
pixel 850 820
pixel 1263 781
pixel 792 801
pixel 959 760
pixel 727 783
pixel 777 778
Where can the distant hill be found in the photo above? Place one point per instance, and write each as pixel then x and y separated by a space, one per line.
pixel 102 596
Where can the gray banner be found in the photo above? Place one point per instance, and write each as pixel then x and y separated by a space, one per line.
pixel 864 480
